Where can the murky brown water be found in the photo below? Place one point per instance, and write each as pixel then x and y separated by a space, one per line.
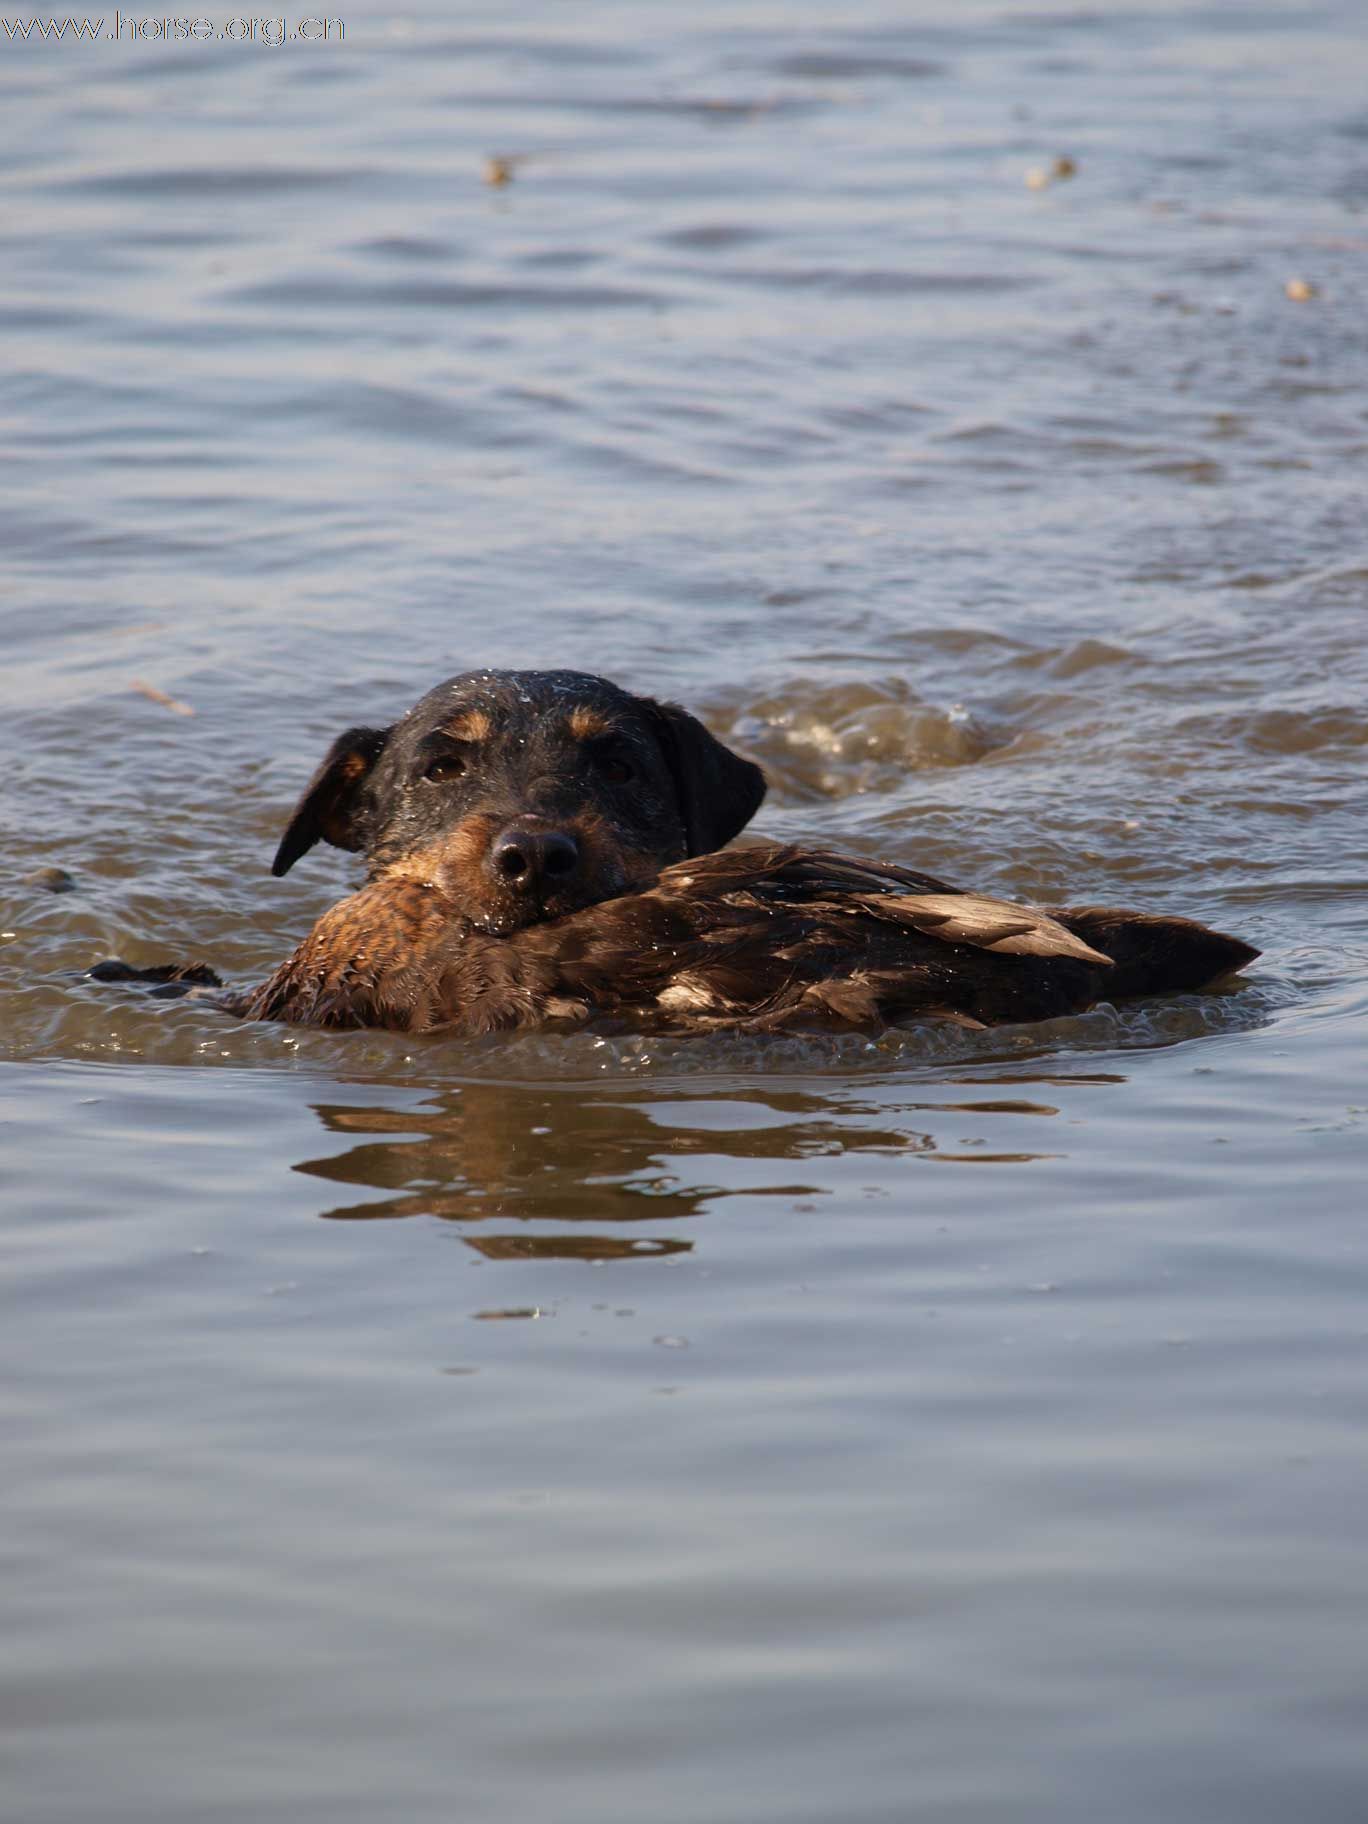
pixel 944 1426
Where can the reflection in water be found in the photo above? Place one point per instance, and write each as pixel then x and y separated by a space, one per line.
pixel 994 1158
pixel 574 1247
pixel 488 1151
pixel 992 1108
pixel 568 1165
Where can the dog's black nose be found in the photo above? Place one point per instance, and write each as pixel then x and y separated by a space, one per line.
pixel 529 860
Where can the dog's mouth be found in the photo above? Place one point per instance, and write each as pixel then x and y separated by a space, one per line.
pixel 505 916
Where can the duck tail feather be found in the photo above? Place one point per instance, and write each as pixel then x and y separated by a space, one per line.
pixel 1156 955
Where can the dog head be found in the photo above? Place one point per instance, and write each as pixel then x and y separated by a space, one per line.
pixel 526 795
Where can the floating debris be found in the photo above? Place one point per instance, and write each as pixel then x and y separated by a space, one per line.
pixel 499 171
pixel 1040 177
pixel 145 689
pixel 1301 291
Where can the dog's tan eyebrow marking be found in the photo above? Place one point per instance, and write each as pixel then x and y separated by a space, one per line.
pixel 469 725
pixel 587 724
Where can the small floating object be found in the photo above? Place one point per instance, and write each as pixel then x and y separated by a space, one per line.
pixel 150 691
pixel 500 171
pixel 1040 177
pixel 1301 291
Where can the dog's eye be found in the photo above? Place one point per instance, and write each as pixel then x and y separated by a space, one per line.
pixel 615 769
pixel 445 766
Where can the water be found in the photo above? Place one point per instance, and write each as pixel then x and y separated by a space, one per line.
pixel 952 1426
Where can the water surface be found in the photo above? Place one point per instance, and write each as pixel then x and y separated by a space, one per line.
pixel 944 1426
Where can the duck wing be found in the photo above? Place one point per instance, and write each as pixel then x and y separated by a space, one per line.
pixel 987 924
pixel 784 871
pixel 833 890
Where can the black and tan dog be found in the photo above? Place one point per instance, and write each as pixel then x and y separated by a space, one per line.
pixel 542 848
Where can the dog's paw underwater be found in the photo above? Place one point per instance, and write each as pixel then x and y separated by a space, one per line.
pixel 545 849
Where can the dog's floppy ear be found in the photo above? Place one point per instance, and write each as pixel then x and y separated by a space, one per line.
pixel 328 810
pixel 718 791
